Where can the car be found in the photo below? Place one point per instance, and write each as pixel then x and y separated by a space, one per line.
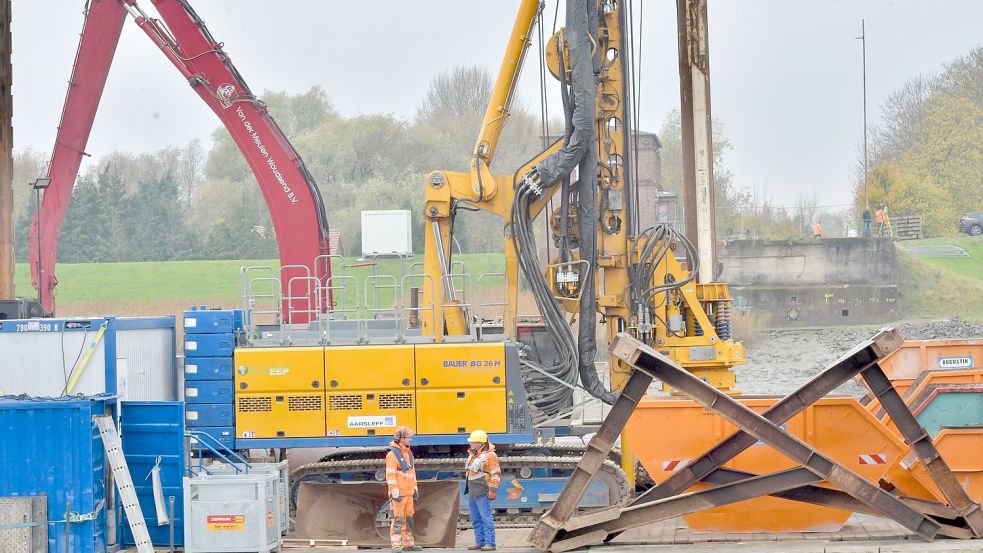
pixel 972 223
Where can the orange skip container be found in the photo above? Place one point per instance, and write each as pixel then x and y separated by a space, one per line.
pixel 666 434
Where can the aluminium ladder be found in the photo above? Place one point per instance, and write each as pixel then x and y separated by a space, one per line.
pixel 124 483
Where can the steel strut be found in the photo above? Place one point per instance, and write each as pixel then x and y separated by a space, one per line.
pixel 602 525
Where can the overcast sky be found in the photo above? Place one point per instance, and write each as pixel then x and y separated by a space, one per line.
pixel 786 75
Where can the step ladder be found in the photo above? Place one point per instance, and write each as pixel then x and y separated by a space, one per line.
pixel 124 483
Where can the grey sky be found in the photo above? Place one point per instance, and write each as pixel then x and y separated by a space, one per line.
pixel 785 79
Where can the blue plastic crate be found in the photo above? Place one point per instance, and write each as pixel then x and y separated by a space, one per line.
pixel 209 368
pixel 223 434
pixel 212 321
pixel 208 391
pixel 209 414
pixel 209 345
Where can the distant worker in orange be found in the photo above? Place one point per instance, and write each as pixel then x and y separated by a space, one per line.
pixel 483 474
pixel 879 217
pixel 403 491
pixel 817 231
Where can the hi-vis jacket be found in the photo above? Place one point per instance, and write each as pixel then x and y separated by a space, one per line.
pixel 400 474
pixel 482 471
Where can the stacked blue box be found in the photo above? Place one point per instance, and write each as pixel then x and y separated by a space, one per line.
pixel 209 346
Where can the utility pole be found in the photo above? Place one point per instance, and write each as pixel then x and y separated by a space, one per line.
pixel 697 136
pixel 863 46
pixel 6 157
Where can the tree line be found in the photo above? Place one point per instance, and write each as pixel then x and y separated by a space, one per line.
pixel 186 203
pixel 926 155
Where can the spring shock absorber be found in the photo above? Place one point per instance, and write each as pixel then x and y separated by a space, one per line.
pixel 722 320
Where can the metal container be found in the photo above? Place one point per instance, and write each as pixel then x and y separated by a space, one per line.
pixel 387 232
pixel 153 431
pixel 132 357
pixel 838 426
pixel 208 368
pixel 231 514
pixel 52 447
pixel 212 321
pixel 209 414
pixel 209 345
pixel 208 391
pixel 282 472
pixel 225 435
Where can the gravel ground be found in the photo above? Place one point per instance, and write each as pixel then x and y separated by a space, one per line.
pixel 779 361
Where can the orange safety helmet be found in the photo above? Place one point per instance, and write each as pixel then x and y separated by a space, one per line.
pixel 402 432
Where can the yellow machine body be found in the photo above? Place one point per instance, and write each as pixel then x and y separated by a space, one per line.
pixel 365 390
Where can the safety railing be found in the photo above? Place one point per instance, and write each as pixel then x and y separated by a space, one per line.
pixel 261 302
pixel 413 309
pixel 500 309
pixel 306 303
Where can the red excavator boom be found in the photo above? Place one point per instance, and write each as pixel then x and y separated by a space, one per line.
pixel 291 194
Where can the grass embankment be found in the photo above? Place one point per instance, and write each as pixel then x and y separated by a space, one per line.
pixel 942 287
pixel 166 288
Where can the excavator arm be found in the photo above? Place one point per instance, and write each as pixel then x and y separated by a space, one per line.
pixel 97 46
pixel 291 194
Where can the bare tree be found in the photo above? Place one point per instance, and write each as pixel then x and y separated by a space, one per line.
pixel 462 92
pixel 189 170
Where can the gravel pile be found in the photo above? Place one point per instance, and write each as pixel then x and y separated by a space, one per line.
pixel 782 360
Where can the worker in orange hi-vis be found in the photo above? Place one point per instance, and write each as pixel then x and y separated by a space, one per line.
pixel 403 491
pixel 817 231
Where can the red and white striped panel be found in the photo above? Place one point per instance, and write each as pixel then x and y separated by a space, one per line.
pixel 873 459
pixel 674 464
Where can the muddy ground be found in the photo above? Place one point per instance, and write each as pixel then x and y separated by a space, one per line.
pixel 779 361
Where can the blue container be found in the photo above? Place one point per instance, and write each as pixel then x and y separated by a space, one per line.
pixel 208 368
pixel 223 434
pixel 209 391
pixel 209 414
pixel 153 430
pixel 214 321
pixel 52 447
pixel 209 345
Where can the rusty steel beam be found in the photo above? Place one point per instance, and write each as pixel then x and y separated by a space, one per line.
pixel 680 505
pixel 921 443
pixel 836 499
pixel 597 451
pixel 6 158
pixel 646 359
pixel 860 358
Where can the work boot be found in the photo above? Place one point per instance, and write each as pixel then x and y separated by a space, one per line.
pixel 474 547
pixel 413 548
pixel 488 548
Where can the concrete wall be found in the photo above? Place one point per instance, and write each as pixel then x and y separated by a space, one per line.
pixel 815 282
pixel 828 261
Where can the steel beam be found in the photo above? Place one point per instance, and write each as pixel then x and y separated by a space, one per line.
pixel 6 158
pixel 597 451
pixel 921 443
pixel 646 359
pixel 680 505
pixel 860 358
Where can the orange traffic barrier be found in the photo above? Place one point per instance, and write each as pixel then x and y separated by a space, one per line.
pixel 668 433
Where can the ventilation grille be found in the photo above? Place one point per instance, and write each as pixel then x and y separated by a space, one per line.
pixel 395 401
pixel 304 403
pixel 345 403
pixel 255 404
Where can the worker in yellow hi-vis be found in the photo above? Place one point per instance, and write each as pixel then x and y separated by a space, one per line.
pixel 483 475
pixel 403 491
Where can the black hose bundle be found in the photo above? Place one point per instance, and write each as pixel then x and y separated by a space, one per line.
pixel 550 388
